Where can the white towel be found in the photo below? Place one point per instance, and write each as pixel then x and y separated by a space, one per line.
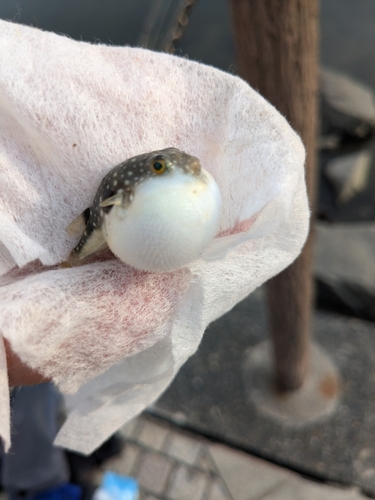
pixel 110 336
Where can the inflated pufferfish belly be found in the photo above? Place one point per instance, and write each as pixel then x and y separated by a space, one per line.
pixel 155 211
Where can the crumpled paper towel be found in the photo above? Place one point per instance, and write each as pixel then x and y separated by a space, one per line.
pixel 110 336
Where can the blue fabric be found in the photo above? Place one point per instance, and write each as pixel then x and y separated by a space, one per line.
pixel 66 491
pixel 33 464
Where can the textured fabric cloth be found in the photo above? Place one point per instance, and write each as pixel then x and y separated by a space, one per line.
pixel 110 336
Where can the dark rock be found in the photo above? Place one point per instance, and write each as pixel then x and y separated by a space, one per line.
pixel 347 184
pixel 348 299
pixel 347 108
pixel 349 174
pixel 346 253
pixel 345 268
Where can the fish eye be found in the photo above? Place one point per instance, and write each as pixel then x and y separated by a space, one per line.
pixel 158 165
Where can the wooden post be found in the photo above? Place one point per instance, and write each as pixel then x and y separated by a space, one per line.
pixel 277 53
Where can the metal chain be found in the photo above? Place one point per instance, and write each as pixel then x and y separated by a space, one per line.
pixel 178 25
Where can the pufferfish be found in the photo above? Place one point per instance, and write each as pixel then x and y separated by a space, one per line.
pixel 156 212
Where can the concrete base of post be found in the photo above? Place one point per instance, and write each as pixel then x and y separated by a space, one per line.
pixel 316 399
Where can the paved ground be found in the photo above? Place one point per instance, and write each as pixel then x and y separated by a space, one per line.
pixel 171 464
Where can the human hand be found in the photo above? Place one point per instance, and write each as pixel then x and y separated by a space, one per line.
pixel 18 372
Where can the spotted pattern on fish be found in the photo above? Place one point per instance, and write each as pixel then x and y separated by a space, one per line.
pixel 117 188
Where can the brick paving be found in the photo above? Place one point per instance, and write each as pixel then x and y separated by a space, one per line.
pixel 171 464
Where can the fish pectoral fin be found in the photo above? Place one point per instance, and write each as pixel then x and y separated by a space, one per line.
pixel 117 199
pixel 89 244
pixel 77 227
pixel 122 199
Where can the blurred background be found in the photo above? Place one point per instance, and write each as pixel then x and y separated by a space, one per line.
pixel 212 393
